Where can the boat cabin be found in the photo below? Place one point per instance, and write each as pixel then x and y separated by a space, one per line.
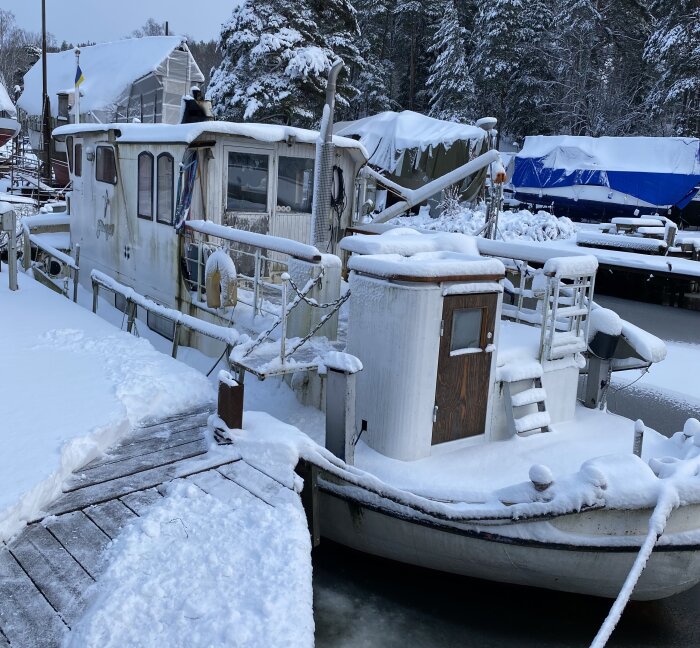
pixel 134 185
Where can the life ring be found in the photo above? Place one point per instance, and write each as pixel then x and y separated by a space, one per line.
pixel 221 280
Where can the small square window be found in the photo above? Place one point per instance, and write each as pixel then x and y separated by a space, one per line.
pixel 466 329
pixel 105 165
pixel 247 182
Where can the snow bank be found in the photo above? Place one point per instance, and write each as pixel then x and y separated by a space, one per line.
pixel 512 225
pixel 76 385
pixel 208 570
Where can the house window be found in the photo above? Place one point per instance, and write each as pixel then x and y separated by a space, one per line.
pixel 466 329
pixel 145 186
pixel 164 201
pixel 78 160
pixel 69 152
pixel 295 185
pixel 247 182
pixel 105 165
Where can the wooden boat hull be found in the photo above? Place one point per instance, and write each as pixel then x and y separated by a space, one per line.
pixel 8 129
pixel 505 554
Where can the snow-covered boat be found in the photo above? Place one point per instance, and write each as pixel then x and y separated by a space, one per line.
pixel 455 436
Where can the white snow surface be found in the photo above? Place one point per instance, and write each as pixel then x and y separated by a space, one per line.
pixel 73 385
pixel 568 265
pixel 109 70
pixel 426 265
pixel 214 569
pixel 389 134
pixel 512 225
pixel 651 154
pixel 407 241
pixel 6 103
pixel 187 133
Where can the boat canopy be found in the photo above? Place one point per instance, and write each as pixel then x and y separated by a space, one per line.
pixel 661 171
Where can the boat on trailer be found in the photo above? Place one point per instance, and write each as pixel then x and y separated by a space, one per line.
pixel 463 392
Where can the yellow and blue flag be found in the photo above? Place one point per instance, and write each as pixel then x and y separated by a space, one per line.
pixel 79 78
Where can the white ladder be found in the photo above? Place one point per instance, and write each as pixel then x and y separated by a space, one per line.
pixel 522 420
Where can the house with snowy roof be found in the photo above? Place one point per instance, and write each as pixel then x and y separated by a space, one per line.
pixel 138 79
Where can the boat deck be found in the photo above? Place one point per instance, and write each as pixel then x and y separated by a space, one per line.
pixel 47 571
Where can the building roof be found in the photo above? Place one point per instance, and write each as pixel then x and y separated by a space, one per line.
pixel 188 133
pixel 109 70
pixel 6 104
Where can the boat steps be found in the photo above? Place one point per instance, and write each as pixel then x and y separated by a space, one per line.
pixel 529 397
pixel 521 421
pixel 532 422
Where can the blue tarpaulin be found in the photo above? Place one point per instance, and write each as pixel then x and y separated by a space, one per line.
pixel 661 171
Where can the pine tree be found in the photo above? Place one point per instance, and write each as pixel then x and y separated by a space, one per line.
pixel 276 58
pixel 450 85
pixel 674 50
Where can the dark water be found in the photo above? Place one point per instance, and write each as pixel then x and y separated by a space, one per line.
pixel 363 601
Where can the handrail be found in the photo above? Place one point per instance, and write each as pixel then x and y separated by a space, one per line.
pixel 254 239
pixel 228 335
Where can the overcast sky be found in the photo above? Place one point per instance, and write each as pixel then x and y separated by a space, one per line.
pixel 77 21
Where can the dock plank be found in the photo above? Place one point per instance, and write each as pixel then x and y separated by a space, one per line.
pixel 140 501
pixel 111 516
pixel 82 539
pixel 218 486
pixel 53 570
pixel 116 488
pixel 262 486
pixel 134 465
pixel 26 618
pixel 139 448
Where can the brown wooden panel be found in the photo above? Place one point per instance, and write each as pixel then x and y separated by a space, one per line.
pixel 461 392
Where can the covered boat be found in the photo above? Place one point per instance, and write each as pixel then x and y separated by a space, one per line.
pixel 9 126
pixel 596 178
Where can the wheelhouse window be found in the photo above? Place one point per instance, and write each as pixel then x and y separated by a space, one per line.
pixel 295 185
pixel 69 152
pixel 105 165
pixel 166 179
pixel 78 161
pixel 145 186
pixel 466 330
pixel 248 175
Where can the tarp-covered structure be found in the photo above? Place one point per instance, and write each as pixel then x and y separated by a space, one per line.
pixel 609 174
pixel 139 78
pixel 7 108
pixel 412 149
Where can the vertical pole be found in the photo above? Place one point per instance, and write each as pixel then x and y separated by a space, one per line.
pixel 77 88
pixel 76 272
pixel 199 271
pixel 176 338
pixel 95 295
pixel 27 249
pixel 283 337
pixel 46 110
pixel 256 283
pixel 12 251
pixel 131 315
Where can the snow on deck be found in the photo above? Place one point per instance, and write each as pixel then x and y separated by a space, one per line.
pixel 73 385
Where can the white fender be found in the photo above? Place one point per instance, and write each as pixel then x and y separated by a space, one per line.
pixel 221 280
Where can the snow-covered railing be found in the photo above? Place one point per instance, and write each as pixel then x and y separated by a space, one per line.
pixel 133 299
pixel 260 260
pixel 72 263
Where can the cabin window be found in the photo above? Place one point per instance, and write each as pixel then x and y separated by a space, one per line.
pixel 166 178
pixel 466 329
pixel 78 161
pixel 145 186
pixel 247 182
pixel 295 186
pixel 105 165
pixel 69 152
pixel 160 324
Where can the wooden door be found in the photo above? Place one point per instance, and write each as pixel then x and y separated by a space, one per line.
pixel 464 366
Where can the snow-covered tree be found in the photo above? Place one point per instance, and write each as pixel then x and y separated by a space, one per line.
pixel 450 84
pixel 276 58
pixel 674 50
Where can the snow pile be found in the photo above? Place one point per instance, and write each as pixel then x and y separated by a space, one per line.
pixel 73 385
pixel 604 320
pixel 407 241
pixel 571 266
pixel 198 569
pixel 512 225
pixel 619 241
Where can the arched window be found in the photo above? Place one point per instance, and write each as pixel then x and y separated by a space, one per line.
pixel 164 197
pixel 145 186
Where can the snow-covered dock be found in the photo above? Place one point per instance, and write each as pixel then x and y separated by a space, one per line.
pixel 176 575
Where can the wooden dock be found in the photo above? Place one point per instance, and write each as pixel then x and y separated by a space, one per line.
pixel 46 571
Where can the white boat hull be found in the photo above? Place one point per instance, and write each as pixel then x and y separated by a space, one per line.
pixel 499 554
pixel 8 129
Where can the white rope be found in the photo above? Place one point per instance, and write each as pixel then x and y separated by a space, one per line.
pixel 657 525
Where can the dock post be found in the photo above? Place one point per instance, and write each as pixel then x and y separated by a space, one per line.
pixel 9 225
pixel 230 403
pixel 76 273
pixel 340 405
